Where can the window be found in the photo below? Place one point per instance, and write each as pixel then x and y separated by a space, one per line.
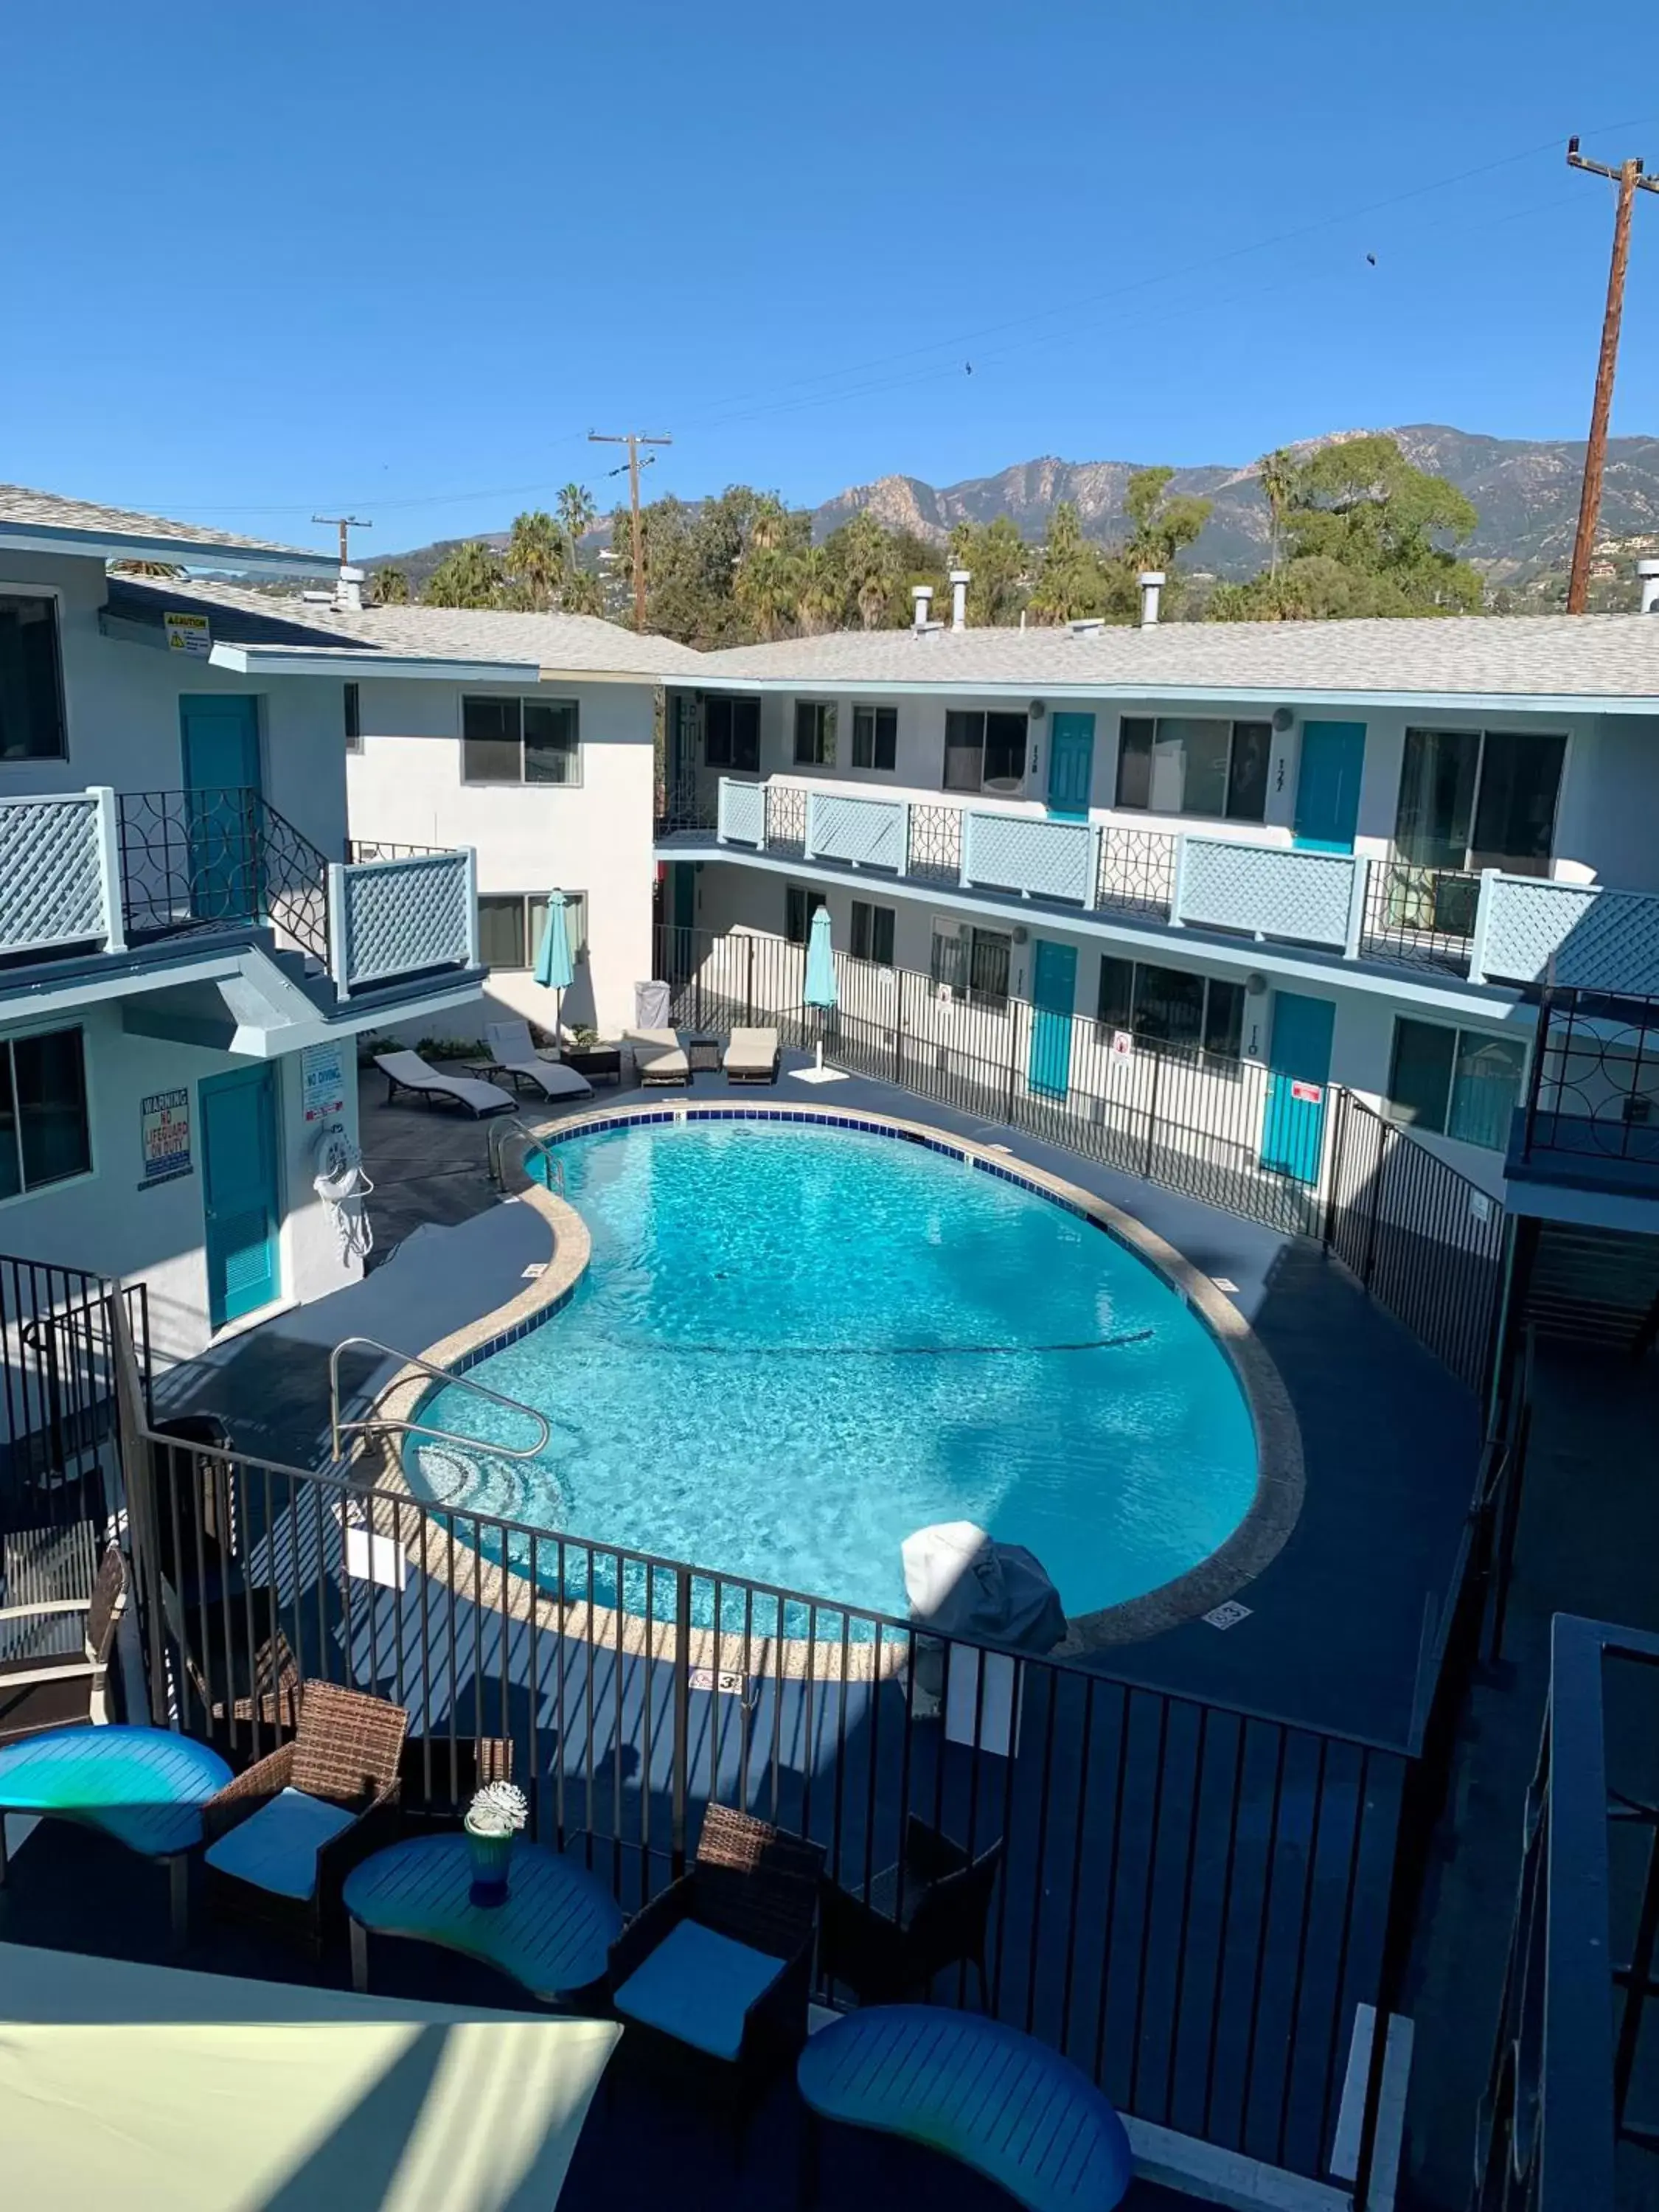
pixel 44 1133
pixel 519 741
pixel 983 751
pixel 872 933
pixel 511 924
pixel 1171 1006
pixel 815 734
pixel 1457 1083
pixel 1176 764
pixel 875 737
pixel 31 689
pixel 989 954
pixel 799 907
pixel 731 733
pixel 947 962
pixel 1474 798
pixel 354 721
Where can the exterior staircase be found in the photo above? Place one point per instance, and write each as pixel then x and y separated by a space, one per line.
pixel 1593 1285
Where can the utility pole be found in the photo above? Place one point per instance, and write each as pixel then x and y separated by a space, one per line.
pixel 633 439
pixel 347 524
pixel 1627 176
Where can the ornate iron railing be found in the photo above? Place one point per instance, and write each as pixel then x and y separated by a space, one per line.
pixel 58 1368
pixel 935 843
pixel 363 849
pixel 1594 1092
pixel 1418 917
pixel 1136 873
pixel 786 819
pixel 212 860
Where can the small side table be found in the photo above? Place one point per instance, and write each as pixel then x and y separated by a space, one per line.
pixel 702 1054
pixel 552 1936
pixel 596 1062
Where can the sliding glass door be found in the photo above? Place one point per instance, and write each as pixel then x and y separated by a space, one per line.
pixel 1474 798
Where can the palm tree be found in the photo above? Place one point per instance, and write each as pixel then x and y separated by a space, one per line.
pixel 391 587
pixel 820 590
pixel 869 563
pixel 1278 472
pixel 577 514
pixel 767 588
pixel 536 557
pixel 582 593
pixel 469 575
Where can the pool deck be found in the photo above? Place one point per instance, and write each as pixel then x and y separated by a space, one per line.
pixel 1337 1622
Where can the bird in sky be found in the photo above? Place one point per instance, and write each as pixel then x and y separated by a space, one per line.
pixel 1371 258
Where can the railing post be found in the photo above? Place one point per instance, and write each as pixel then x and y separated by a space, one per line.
pixel 339 947
pixel 809 834
pixel 1091 897
pixel 1339 1154
pixel 904 838
pixel 471 897
pixel 720 837
pixel 681 1749
pixel 1357 894
pixel 1178 883
pixel 109 868
pixel 898 1030
pixel 749 983
pixel 965 864
pixel 1483 906
pixel 1152 1113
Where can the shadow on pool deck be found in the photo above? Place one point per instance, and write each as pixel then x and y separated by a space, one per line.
pixel 1338 1621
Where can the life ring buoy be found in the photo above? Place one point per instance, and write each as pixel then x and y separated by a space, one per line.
pixel 342 1187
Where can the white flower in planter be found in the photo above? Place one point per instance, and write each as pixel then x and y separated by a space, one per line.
pixel 500 1809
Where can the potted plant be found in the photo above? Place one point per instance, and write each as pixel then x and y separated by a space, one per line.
pixel 494 1818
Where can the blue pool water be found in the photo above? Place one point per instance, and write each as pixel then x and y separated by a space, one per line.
pixel 796 1346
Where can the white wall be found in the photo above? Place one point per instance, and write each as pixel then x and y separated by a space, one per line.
pixel 406 787
pixel 121 704
pixel 108 1224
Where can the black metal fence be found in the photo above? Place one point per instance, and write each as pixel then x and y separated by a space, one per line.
pixel 211 859
pixel 58 1415
pixel 1594 1087
pixel 1196 1121
pixel 1425 1241
pixel 1191 1898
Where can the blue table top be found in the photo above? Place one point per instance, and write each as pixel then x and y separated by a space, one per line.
pixel 975 2090
pixel 144 1786
pixel 552 1936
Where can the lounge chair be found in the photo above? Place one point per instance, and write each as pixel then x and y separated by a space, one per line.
pixel 718 1968
pixel 283 1837
pixel 659 1056
pixel 55 1653
pixel 407 1071
pixel 926 1913
pixel 511 1049
pixel 752 1056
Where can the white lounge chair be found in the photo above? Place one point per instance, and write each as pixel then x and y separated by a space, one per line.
pixel 659 1056
pixel 407 1071
pixel 751 1056
pixel 510 1049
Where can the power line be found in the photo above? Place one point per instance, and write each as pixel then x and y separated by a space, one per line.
pixel 633 439
pixel 1628 177
pixel 346 524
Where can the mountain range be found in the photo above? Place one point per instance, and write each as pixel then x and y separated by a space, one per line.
pixel 1524 490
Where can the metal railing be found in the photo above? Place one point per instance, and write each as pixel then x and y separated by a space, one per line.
pixel 1137 872
pixel 1418 917
pixel 503 1129
pixel 210 859
pixel 58 1416
pixel 1555 2130
pixel 1190 1897
pixel 1425 1241
pixel 361 850
pixel 380 1424
pixel 1594 1091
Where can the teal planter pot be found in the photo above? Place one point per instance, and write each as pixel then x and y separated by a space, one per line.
pixel 492 1858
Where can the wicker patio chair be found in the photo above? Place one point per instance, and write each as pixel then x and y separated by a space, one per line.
pixel 716 1970
pixel 440 1774
pixel 928 1912
pixel 55 1654
pixel 283 1837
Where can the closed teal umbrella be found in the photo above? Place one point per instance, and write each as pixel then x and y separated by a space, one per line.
pixel 554 970
pixel 820 991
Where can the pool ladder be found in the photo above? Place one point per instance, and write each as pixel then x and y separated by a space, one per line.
pixel 514 1124
pixel 378 1422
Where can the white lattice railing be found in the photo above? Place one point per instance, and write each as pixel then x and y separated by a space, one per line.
pixel 391 919
pixel 1271 891
pixel 742 817
pixel 60 874
pixel 1025 854
pixel 871 833
pixel 1584 936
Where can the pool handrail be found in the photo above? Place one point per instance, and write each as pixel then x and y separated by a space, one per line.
pixel 514 1124
pixel 338 1429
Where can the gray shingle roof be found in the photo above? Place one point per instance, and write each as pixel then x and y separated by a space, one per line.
pixel 115 527
pixel 573 643
pixel 1601 656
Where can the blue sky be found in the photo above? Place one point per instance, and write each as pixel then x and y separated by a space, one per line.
pixel 263 261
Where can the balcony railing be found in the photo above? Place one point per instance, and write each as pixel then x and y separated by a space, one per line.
pixel 97 871
pixel 1593 1098
pixel 1488 927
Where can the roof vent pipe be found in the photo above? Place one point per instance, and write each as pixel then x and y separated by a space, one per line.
pixel 960 579
pixel 1151 582
pixel 1648 572
pixel 922 597
pixel 349 591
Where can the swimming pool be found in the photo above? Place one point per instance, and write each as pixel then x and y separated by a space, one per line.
pixel 796 1345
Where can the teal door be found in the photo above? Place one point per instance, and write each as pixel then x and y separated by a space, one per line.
pixel 238 1191
pixel 1071 762
pixel 1054 996
pixel 1328 786
pixel 221 748
pixel 1299 1065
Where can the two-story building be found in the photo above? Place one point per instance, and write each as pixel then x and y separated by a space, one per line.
pixel 1343 852
pixel 187 952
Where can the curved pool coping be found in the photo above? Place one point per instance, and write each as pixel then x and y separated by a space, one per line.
pixel 1260 1535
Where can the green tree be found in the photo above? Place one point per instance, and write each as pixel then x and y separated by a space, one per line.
pixel 821 592
pixel 1277 471
pixel 1366 534
pixel 868 559
pixel 998 560
pixel 1071 581
pixel 582 593
pixel 1161 528
pixel 469 575
pixel 577 513
pixel 535 561
pixel 391 587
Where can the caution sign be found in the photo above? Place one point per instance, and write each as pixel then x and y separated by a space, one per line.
pixel 189 633
pixel 1310 1094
